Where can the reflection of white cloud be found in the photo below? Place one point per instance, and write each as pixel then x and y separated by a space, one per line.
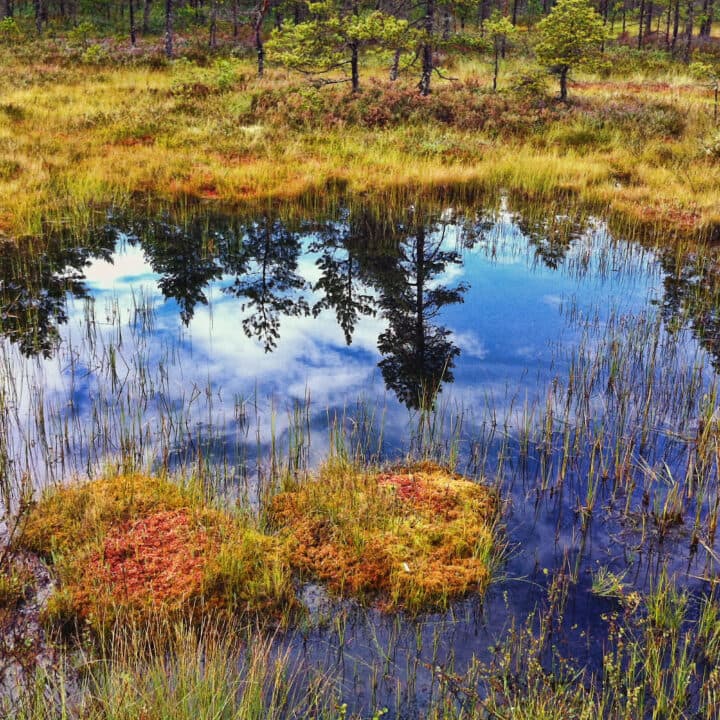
pixel 470 344
pixel 554 301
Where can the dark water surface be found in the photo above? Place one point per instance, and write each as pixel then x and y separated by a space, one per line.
pixel 573 368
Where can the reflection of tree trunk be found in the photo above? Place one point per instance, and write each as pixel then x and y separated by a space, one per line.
pixel 419 296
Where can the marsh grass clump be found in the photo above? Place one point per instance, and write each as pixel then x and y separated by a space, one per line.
pixel 137 546
pixel 415 537
pixel 16 582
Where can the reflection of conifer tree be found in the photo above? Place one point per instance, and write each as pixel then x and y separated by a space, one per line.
pixel 418 354
pixel 550 232
pixel 269 282
pixel 692 293
pixel 34 286
pixel 187 257
pixel 340 280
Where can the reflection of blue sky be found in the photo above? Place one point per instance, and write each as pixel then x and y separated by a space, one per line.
pixel 509 329
pixel 510 323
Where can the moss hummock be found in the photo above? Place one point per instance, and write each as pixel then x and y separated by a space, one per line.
pixel 416 537
pixel 139 546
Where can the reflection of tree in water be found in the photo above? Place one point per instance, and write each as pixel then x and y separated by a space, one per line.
pixel 262 257
pixel 267 279
pixel 692 294
pixel 550 231
pixel 366 260
pixel 34 286
pixel 340 280
pixel 419 355
pixel 186 256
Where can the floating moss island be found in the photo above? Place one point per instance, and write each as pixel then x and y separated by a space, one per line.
pixel 136 546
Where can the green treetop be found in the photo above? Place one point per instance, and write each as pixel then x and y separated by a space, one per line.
pixel 499 30
pixel 570 36
pixel 333 37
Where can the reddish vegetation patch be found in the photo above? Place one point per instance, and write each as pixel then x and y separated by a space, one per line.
pixel 413 490
pixel 157 559
pixel 634 87
pixel 683 220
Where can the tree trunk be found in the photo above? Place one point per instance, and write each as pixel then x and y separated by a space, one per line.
pixel 563 83
pixel 706 26
pixel 133 35
pixel 395 67
pixel 259 50
pixel 169 28
pixel 146 17
pixel 427 48
pixel 689 29
pixel 497 65
pixel 212 40
pixel 262 10
pixel 483 14
pixel 8 9
pixel 640 23
pixel 676 25
pixel 446 25
pixel 354 66
pixel 38 16
pixel 648 18
pixel 236 20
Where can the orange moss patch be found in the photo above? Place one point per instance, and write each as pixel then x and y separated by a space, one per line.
pixel 141 546
pixel 159 559
pixel 415 538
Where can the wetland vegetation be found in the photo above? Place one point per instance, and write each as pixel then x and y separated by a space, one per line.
pixel 359 360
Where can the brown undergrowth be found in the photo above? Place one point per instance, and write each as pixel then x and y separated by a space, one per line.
pixel 415 538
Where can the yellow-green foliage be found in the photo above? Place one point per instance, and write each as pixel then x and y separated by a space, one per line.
pixel 137 546
pixel 15 582
pixel 415 537
pixel 72 140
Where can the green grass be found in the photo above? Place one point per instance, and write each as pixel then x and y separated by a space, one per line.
pixel 75 140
